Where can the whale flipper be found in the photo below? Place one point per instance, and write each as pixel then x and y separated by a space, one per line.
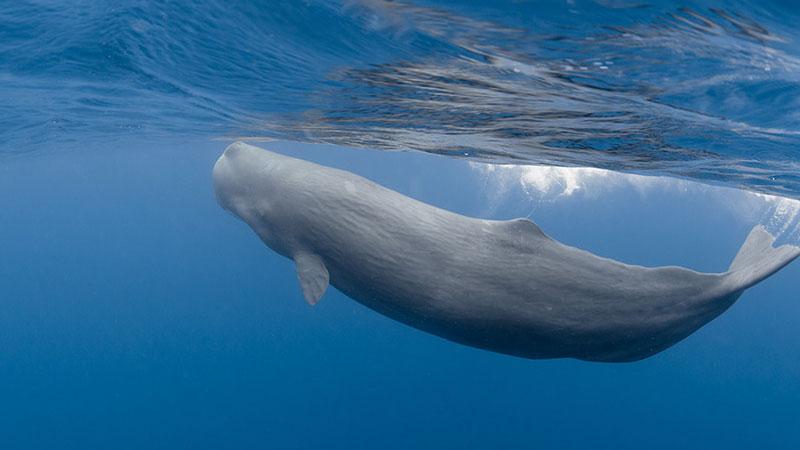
pixel 313 276
pixel 758 259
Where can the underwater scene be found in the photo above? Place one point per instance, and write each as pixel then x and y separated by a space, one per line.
pixel 420 224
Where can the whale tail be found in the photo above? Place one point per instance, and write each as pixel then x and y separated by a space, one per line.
pixel 758 259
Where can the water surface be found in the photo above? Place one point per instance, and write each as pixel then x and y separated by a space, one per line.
pixel 702 90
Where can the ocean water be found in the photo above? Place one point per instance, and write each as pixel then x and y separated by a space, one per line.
pixel 136 313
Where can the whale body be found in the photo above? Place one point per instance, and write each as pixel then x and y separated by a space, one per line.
pixel 503 286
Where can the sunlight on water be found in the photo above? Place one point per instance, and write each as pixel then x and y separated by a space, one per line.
pixel 543 184
pixel 782 218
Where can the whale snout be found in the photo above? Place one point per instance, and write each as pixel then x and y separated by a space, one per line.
pixel 235 150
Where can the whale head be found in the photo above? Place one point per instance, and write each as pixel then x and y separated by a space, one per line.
pixel 246 184
pixel 233 180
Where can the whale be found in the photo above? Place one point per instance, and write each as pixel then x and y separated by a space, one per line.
pixel 498 285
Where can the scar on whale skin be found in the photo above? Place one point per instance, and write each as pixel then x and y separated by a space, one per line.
pixel 503 286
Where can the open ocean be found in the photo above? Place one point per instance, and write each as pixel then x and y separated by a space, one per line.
pixel 135 313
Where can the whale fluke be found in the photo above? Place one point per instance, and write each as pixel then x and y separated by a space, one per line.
pixel 758 259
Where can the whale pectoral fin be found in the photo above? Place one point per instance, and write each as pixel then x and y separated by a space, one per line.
pixel 313 276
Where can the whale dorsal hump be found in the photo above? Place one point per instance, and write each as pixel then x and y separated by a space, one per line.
pixel 521 227
pixel 313 276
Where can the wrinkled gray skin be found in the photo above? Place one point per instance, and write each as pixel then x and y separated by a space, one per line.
pixel 503 286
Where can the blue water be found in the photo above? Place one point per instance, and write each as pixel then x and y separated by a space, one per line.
pixel 136 313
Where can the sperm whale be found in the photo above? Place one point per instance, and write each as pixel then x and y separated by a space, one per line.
pixel 503 286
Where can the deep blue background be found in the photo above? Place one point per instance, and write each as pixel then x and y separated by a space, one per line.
pixel 136 313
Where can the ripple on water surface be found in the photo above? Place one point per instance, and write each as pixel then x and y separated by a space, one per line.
pixel 692 91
